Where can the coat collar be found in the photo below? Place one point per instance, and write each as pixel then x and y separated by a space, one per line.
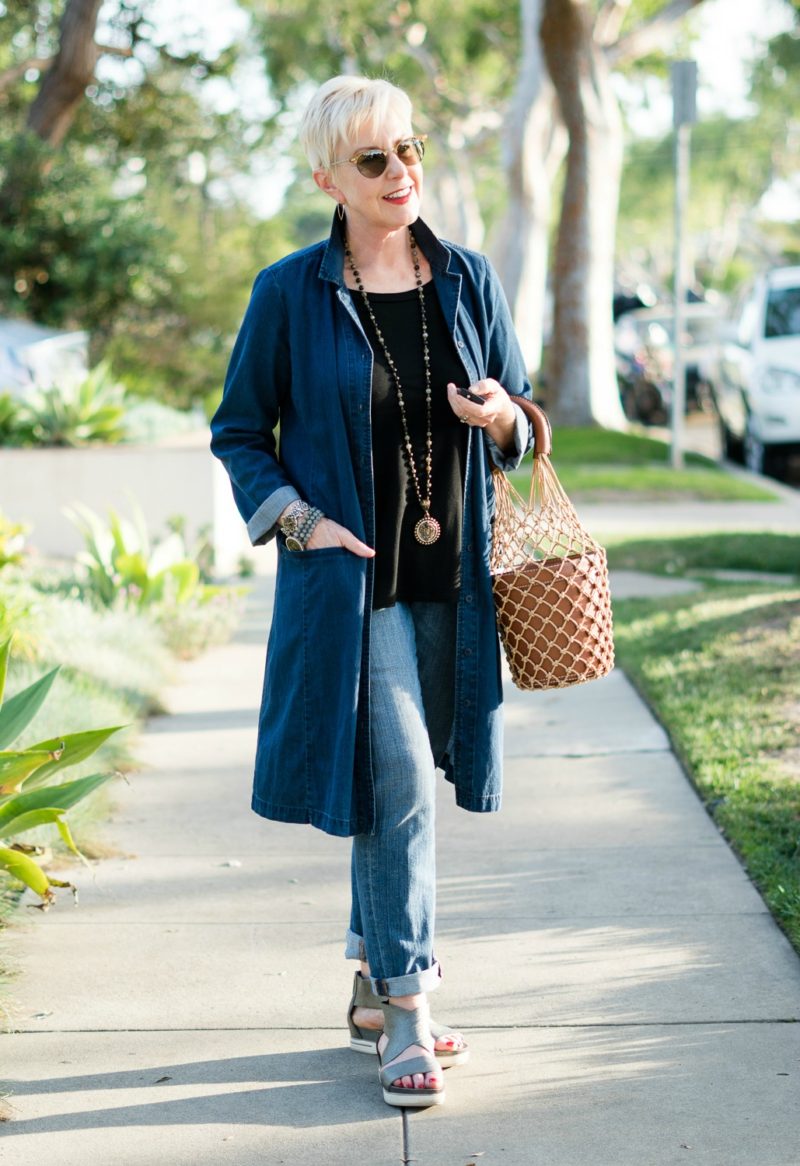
pixel 332 267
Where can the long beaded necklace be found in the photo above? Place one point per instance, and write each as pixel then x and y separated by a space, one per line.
pixel 427 530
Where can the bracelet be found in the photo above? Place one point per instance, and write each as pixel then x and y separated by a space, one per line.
pixel 298 539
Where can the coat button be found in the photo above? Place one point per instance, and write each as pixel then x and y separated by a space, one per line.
pixel 468 599
pixel 466 652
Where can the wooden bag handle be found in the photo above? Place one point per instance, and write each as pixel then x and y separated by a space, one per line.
pixel 542 433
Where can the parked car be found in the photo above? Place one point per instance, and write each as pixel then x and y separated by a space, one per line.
pixel 756 377
pixel 31 356
pixel 644 352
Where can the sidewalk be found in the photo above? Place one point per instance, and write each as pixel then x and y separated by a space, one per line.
pixel 627 996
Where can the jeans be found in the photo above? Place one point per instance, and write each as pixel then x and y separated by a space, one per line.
pixel 412 681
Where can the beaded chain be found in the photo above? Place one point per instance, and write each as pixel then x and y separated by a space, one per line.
pixel 427 530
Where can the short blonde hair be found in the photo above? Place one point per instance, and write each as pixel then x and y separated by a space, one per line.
pixel 340 108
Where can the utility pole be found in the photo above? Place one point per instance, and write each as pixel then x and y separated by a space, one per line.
pixel 684 113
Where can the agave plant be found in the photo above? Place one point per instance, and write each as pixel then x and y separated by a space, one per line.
pixel 124 566
pixel 28 798
pixel 78 413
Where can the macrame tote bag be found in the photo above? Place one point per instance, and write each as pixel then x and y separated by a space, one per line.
pixel 550 578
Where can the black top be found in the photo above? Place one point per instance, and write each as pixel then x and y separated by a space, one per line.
pixel 405 570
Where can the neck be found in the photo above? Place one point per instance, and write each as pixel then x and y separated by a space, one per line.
pixel 375 248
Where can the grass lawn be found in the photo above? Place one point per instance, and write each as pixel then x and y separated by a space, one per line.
pixel 719 667
pixel 734 551
pixel 603 465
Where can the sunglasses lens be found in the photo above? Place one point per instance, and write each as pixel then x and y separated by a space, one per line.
pixel 411 151
pixel 371 163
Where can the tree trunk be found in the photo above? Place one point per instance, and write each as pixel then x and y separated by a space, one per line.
pixel 581 369
pixel 65 82
pixel 450 189
pixel 533 148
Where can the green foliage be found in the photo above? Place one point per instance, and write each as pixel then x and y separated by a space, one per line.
pixel 73 254
pixel 13 428
pixel 12 541
pixel 28 798
pixel 123 568
pixel 77 413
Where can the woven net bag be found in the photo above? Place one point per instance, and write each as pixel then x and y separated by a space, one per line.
pixel 550 579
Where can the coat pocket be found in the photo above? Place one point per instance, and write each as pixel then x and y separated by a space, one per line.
pixel 307 731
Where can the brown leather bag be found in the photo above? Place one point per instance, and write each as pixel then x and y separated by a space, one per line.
pixel 550 578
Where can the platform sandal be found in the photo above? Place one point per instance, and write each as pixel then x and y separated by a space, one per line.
pixel 403 1028
pixel 365 1040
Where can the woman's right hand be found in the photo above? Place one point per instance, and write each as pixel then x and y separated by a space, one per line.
pixel 328 533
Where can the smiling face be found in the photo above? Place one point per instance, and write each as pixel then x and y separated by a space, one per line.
pixel 387 203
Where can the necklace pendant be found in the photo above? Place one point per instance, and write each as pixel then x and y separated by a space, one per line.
pixel 427 530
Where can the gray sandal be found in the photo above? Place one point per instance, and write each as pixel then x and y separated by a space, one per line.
pixel 403 1028
pixel 365 1040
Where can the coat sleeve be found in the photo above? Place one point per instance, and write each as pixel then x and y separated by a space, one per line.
pixel 243 427
pixel 505 363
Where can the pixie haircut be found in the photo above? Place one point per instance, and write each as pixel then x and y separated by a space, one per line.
pixel 339 109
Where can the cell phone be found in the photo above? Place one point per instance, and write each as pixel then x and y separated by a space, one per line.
pixel 470 396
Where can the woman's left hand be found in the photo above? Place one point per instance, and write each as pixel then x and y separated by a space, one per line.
pixel 496 415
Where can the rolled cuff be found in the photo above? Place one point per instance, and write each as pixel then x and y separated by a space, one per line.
pixel 523 439
pixel 354 948
pixel 261 527
pixel 424 981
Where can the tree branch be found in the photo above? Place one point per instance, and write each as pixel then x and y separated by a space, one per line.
pixel 10 76
pixel 609 21
pixel 649 35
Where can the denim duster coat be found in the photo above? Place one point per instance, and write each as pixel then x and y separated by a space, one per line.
pixel 302 359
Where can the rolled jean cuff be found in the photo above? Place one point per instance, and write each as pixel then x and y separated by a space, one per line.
pixel 354 948
pixel 424 981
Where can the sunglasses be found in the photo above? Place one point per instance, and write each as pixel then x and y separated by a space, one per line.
pixel 372 163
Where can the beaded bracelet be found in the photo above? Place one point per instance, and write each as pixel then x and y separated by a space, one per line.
pixel 305 529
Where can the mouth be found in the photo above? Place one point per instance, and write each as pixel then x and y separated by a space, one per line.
pixel 401 196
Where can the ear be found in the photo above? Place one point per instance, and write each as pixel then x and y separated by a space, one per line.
pixel 325 182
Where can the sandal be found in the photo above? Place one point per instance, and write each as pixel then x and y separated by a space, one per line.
pixel 365 1040
pixel 403 1028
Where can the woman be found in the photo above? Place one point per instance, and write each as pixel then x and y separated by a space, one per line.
pixel 383 659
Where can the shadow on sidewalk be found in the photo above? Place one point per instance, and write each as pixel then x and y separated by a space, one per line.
pixel 317 1087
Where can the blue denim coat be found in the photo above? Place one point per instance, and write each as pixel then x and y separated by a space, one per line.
pixel 302 359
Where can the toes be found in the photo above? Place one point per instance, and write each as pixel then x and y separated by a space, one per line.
pixel 418 1081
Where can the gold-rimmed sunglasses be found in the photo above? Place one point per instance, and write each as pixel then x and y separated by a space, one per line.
pixel 372 163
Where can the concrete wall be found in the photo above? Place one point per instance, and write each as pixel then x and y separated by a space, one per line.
pixel 165 480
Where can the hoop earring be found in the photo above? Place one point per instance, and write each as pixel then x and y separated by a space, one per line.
pixel 340 211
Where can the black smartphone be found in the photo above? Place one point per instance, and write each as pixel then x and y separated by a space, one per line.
pixel 470 396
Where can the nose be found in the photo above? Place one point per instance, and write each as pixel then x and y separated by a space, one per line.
pixel 395 166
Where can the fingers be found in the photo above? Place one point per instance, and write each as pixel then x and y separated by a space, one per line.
pixel 328 533
pixel 470 412
pixel 349 540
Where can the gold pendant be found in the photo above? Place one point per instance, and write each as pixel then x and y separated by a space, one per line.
pixel 427 530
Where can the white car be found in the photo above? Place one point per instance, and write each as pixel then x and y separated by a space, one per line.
pixel 756 383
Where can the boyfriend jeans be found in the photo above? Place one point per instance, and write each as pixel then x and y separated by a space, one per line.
pixel 412 685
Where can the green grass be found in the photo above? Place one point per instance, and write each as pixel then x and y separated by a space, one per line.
pixel 603 465
pixel 740 550
pixel 577 447
pixel 719 668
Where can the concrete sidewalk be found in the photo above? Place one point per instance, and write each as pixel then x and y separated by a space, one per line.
pixel 628 998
